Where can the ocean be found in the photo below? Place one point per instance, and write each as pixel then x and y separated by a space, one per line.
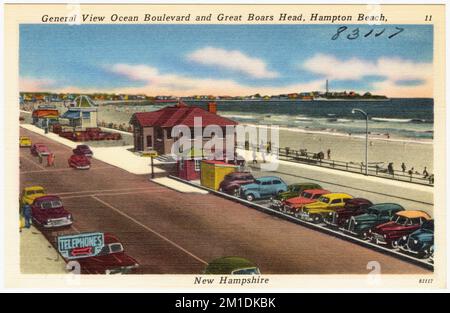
pixel 402 118
pixel 407 118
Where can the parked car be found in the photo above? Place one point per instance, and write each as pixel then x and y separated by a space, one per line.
pixel 233 181
pixel 420 242
pixel 316 211
pixel 294 205
pixel 263 187
pixel 403 223
pixel 352 207
pixel 48 212
pixel 39 149
pixel 79 161
pixel 24 141
pixel 30 193
pixel 111 260
pixel 83 150
pixel 232 266
pixel 294 190
pixel 376 214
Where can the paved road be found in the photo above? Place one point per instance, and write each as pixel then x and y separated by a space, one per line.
pixel 172 232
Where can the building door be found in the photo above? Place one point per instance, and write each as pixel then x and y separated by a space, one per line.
pixel 149 141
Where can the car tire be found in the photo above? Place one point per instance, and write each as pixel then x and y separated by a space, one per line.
pixel 364 235
pixel 250 197
pixel 317 218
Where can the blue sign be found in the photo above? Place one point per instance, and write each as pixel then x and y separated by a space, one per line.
pixel 81 245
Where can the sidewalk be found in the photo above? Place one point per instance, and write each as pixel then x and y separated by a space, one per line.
pixel 37 255
pixel 178 186
pixel 118 156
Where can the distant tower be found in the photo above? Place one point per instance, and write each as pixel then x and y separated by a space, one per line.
pixel 326 87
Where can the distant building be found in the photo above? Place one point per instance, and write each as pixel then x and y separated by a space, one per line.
pixel 152 130
pixel 82 113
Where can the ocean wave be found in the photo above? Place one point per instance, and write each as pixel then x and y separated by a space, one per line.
pixel 400 120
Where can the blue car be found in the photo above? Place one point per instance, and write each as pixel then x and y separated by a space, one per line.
pixel 263 187
pixel 420 242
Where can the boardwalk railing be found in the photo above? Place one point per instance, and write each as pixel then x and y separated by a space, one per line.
pixel 375 169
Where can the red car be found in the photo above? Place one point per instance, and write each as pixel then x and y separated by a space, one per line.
pixel 294 205
pixel 403 223
pixel 111 260
pixel 352 207
pixel 233 181
pixel 39 149
pixel 79 161
pixel 83 150
pixel 48 212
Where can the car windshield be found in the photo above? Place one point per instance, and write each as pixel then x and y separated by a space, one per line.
pixel 247 271
pixel 306 195
pixel 115 247
pixel 373 211
pixel 324 199
pixel 401 220
pixel 249 177
pixel 51 204
pixel 33 192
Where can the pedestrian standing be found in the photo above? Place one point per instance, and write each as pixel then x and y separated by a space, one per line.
pixel 27 215
pixel 40 158
pixel 329 154
pixel 51 160
pixel 403 167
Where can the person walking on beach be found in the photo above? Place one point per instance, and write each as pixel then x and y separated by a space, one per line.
pixel 425 172
pixel 255 161
pixel 391 168
pixel 403 167
pixel 329 154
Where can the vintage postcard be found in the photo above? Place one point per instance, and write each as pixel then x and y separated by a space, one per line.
pixel 225 146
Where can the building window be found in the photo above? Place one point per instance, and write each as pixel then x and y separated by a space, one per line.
pixel 197 165
pixel 149 141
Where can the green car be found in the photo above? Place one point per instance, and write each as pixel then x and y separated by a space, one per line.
pixel 293 191
pixel 232 265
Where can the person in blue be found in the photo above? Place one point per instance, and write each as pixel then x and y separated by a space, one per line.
pixel 27 215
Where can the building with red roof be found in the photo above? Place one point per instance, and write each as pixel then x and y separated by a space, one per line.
pixel 152 130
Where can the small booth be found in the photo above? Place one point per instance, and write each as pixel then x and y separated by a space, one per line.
pixel 188 168
pixel 213 172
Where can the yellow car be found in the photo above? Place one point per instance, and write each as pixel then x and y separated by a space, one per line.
pixel 316 211
pixel 24 141
pixel 31 193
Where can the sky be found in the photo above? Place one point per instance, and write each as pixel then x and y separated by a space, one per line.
pixel 183 60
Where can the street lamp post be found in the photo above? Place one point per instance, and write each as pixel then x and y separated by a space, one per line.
pixel 354 111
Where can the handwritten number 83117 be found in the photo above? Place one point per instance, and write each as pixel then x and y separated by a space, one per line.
pixel 355 33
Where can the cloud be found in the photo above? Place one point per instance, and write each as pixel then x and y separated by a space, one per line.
pixel 180 85
pixel 157 83
pixel 30 84
pixel 232 60
pixel 394 71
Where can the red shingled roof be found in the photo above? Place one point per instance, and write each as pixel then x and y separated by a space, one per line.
pixel 179 115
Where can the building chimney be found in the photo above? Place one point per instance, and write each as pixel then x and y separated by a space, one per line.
pixel 212 107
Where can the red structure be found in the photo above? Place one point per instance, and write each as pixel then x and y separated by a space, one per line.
pixel 152 130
